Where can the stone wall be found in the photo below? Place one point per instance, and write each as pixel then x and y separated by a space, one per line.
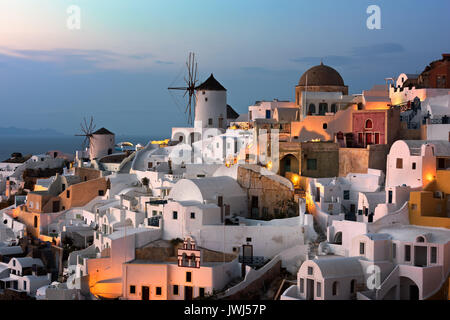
pixel 273 196
pixel 358 160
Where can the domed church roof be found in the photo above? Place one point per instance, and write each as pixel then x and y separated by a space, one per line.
pixel 321 75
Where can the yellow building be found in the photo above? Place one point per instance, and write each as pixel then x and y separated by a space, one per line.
pixel 431 207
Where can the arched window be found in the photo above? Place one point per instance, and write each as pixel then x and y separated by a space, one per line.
pixel 369 124
pixel 335 288
pixel 333 108
pixel 312 109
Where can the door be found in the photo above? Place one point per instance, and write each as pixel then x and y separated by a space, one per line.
pixel 369 138
pixel 377 138
pixel 413 292
pixel 145 293
pixel 188 293
pixel 309 289
pixel 420 256
pixel 55 206
pixel 390 196
pixel 352 208
pixel 255 209
pixel 317 195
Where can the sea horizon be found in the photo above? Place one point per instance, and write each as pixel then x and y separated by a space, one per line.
pixel 65 143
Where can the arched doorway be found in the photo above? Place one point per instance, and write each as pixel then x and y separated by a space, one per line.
pixel 408 289
pixel 289 163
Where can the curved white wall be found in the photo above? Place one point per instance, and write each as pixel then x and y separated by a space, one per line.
pixel 100 144
pixel 211 105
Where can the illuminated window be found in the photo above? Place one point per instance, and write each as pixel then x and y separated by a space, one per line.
pixel 175 289
pixel 158 291
pixel 188 276
pixel 132 289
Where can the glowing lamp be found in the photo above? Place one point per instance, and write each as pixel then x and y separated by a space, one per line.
pixel 269 165
pixel 429 177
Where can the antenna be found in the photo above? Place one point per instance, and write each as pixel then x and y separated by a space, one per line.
pixel 191 83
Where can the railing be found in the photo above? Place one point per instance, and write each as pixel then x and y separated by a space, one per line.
pixel 387 285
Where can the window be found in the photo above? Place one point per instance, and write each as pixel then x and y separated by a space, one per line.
pixel 346 194
pixel 311 164
pixel 414 166
pixel 192 215
pixel 335 288
pixel 175 289
pixel 407 253
pixel 433 258
pixel 150 165
pixel 394 250
pixel 249 239
pixel 310 271
pixel 302 285
pixel 24 285
pixel 267 114
pixel 202 292
pixel 362 248
pixel 319 289
pixel 399 163
pixel 68 194
pixel 324 126
pixel 369 124
pixel 210 121
pixel 188 276
pixel 132 289
pixel 101 192
pixel 174 215
pixel 312 109
pixel 413 206
pixel 333 108
pixel 206 99
pixel 158 291
pixel 35 221
pixel 154 212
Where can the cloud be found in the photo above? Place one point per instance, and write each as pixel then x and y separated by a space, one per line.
pixel 378 49
pixel 330 60
pixel 163 62
pixel 355 56
pixel 84 60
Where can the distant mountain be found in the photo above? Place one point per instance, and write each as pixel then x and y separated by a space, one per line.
pixel 13 131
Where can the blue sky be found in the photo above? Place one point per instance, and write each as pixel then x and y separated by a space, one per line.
pixel 118 66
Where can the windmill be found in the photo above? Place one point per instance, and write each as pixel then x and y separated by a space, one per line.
pixel 87 131
pixel 189 89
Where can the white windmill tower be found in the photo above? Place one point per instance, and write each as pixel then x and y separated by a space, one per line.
pixel 209 98
pixel 101 142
